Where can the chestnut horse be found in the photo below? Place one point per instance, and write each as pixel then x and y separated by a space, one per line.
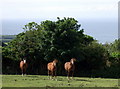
pixel 23 66
pixel 52 68
pixel 70 67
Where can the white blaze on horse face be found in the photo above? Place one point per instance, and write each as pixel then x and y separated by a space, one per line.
pixel 72 61
pixel 24 61
pixel 54 63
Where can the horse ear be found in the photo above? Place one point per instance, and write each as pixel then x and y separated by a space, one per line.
pixel 75 59
pixel 55 60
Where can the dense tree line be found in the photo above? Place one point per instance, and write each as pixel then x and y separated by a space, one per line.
pixel 62 39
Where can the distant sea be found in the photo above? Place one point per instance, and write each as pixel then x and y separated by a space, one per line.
pixel 105 30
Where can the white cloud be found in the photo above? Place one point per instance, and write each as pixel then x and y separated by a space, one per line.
pixel 52 8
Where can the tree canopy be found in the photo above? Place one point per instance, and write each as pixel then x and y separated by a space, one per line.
pixel 62 39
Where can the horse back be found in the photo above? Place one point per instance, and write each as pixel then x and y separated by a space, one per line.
pixel 23 65
pixel 51 66
pixel 69 66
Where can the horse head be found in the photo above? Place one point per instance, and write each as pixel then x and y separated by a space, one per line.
pixel 55 61
pixel 24 60
pixel 73 60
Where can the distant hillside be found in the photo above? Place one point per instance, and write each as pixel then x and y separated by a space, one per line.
pixel 6 38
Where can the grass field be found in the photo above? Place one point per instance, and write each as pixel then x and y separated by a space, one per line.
pixel 43 81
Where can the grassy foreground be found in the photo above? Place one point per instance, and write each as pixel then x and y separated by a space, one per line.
pixel 43 81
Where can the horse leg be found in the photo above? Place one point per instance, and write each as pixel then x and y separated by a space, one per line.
pixel 68 75
pixel 22 71
pixel 48 74
pixel 52 74
pixel 72 74
pixel 25 71
pixel 55 75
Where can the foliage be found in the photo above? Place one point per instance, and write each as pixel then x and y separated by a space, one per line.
pixel 114 50
pixel 114 57
pixel 113 47
pixel 41 43
pixel 62 39
pixel 95 56
pixel 49 40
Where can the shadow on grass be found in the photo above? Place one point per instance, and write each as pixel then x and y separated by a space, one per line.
pixel 83 80
pixel 34 76
pixel 61 79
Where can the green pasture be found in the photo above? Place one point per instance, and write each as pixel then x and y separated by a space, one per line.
pixel 43 81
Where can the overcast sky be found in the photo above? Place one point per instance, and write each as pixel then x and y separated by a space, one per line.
pixel 99 18
pixel 88 9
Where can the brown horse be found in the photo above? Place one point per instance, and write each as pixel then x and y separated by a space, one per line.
pixel 52 68
pixel 23 66
pixel 70 67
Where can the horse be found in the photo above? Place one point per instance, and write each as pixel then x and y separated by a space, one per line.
pixel 52 68
pixel 70 67
pixel 23 66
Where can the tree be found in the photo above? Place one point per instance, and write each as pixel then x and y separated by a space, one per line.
pixel 61 39
pixel 114 50
pixel 96 56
